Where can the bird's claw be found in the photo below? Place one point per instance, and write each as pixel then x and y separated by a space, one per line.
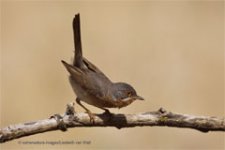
pixel 107 113
pixel 92 116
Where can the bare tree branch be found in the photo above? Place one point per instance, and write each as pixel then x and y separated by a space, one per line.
pixel 71 119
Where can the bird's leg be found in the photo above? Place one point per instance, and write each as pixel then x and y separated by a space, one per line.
pixel 107 112
pixel 87 110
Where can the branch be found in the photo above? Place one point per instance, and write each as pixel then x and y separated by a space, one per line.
pixel 72 119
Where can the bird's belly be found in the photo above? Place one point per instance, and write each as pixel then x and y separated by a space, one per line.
pixel 98 102
pixel 93 100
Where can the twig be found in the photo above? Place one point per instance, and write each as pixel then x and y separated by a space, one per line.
pixel 71 119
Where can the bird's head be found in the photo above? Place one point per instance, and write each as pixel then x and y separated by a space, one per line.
pixel 125 93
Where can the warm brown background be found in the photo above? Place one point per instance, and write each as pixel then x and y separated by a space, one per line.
pixel 171 52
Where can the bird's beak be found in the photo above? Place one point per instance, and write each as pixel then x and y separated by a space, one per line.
pixel 138 97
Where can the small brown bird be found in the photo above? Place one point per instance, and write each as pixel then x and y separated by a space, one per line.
pixel 91 85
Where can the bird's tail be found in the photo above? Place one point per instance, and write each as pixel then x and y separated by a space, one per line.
pixel 78 58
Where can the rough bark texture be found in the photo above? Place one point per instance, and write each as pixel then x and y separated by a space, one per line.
pixel 71 119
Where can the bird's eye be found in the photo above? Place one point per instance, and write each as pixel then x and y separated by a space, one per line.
pixel 129 94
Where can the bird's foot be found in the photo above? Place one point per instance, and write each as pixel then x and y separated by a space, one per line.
pixel 92 116
pixel 107 113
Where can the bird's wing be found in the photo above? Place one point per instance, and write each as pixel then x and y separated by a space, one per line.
pixel 93 68
pixel 94 82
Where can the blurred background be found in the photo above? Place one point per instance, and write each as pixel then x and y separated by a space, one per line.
pixel 171 52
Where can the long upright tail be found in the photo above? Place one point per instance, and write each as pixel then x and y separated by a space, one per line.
pixel 78 58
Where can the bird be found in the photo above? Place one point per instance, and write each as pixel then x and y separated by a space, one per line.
pixel 91 85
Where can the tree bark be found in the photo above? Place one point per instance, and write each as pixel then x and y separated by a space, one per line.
pixel 72 119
